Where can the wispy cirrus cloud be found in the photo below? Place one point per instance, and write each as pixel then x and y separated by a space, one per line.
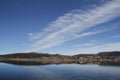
pixel 95 49
pixel 116 36
pixel 87 44
pixel 75 24
pixel 84 45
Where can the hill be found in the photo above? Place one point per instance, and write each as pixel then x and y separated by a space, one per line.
pixel 113 53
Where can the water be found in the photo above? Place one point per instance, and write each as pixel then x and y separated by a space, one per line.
pixel 59 72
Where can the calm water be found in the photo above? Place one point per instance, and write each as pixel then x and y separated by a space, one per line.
pixel 59 72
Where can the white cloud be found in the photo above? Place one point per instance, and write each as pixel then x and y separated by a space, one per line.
pixel 87 44
pixel 82 45
pixel 72 25
pixel 116 36
pixel 96 49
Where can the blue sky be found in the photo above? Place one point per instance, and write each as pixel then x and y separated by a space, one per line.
pixel 59 26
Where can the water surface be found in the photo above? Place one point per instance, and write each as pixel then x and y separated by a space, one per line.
pixel 59 72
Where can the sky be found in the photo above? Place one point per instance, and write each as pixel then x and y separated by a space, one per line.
pixel 59 26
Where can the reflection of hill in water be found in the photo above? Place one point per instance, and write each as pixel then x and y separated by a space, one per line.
pixel 33 63
pixel 104 63
pixel 109 64
pixel 22 63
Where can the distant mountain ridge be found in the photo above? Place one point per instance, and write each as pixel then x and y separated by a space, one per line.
pixel 29 55
pixel 111 53
pixel 37 55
